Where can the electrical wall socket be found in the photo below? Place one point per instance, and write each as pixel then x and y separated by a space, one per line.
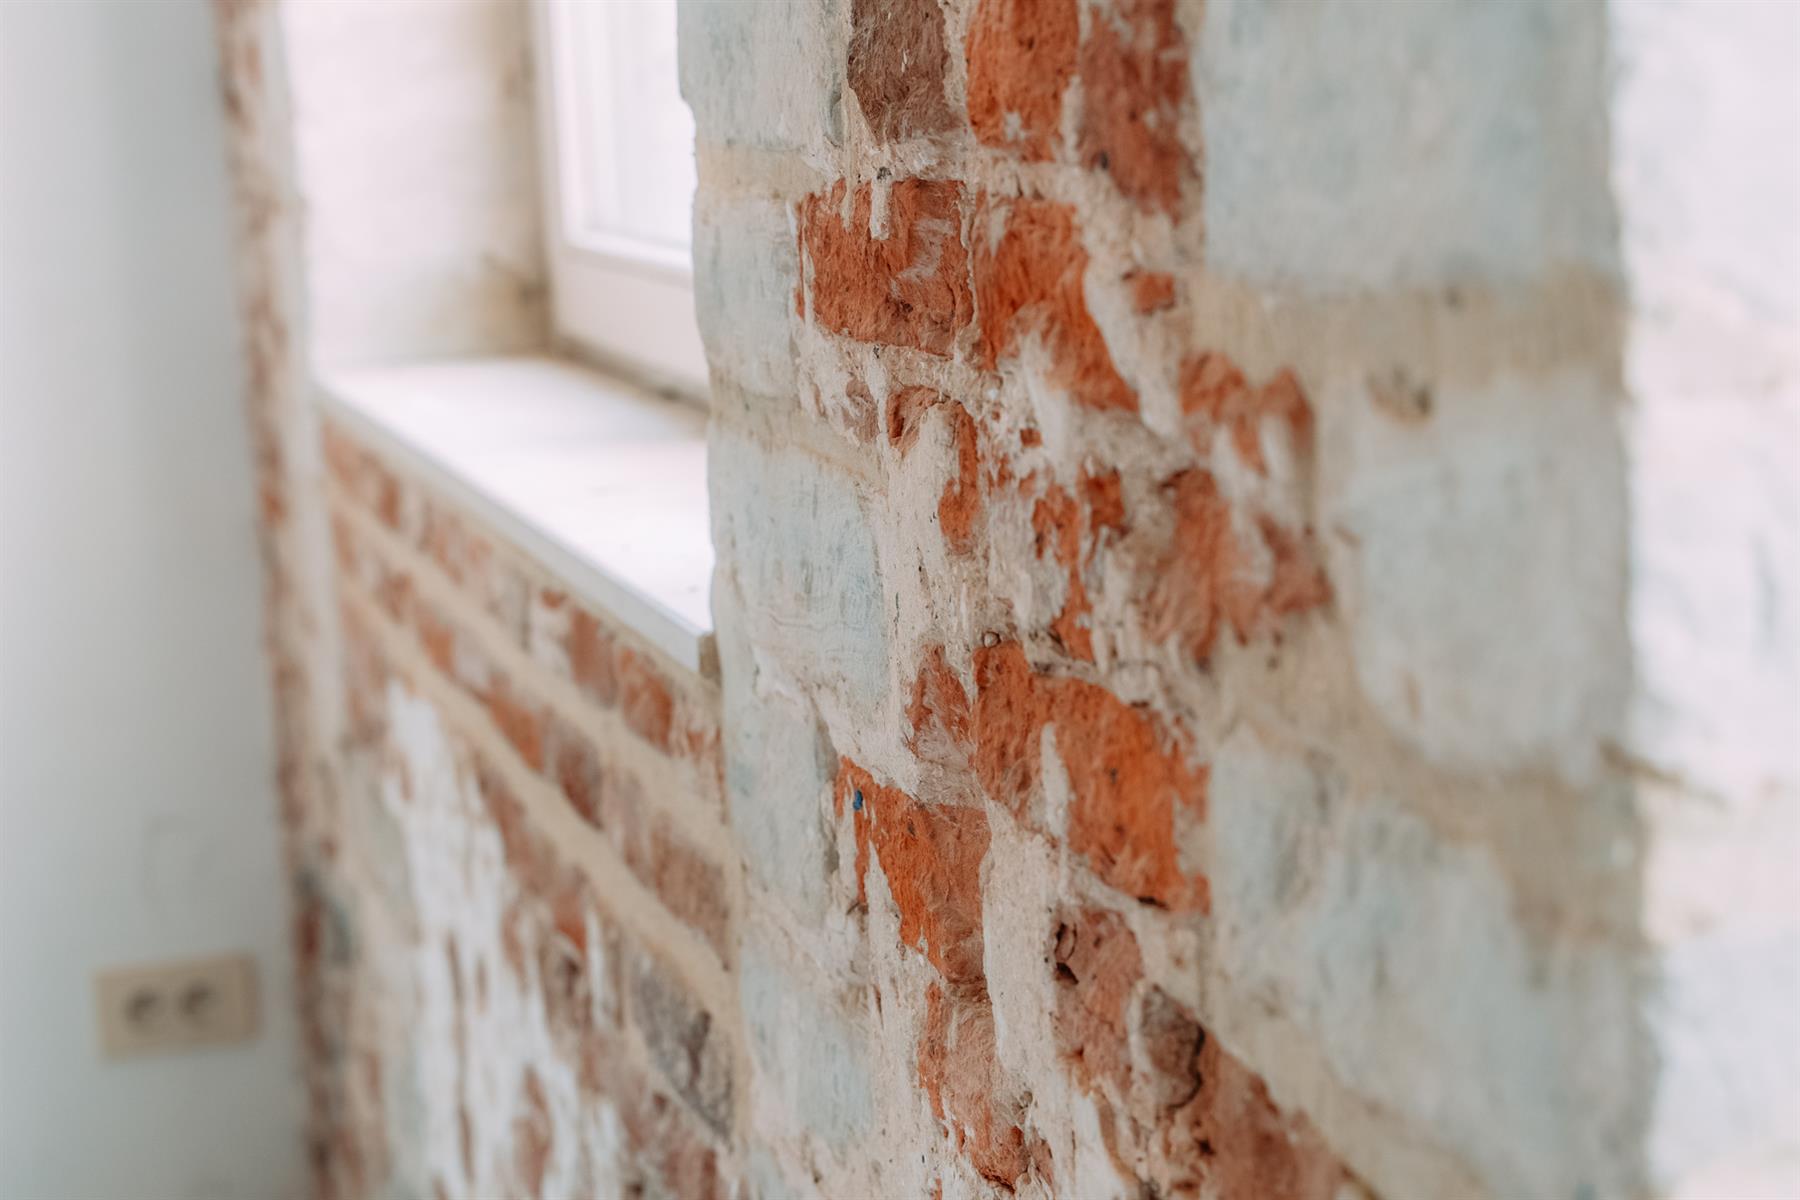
pixel 158 1008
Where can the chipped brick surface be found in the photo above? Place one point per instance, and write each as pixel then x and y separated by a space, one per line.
pixel 896 65
pixel 904 285
pixel 1111 782
pixel 968 1093
pixel 931 856
pixel 1127 777
pixel 1028 287
pixel 1151 291
pixel 1020 56
pixel 682 1039
pixel 1134 75
pixel 1215 576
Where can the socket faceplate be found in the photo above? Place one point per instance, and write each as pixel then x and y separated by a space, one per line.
pixel 156 1008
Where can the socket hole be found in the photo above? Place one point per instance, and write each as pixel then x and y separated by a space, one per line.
pixel 141 1006
pixel 198 1000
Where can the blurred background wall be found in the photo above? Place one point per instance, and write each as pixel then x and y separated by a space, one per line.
pixel 137 808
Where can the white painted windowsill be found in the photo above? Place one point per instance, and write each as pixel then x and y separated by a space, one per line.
pixel 602 484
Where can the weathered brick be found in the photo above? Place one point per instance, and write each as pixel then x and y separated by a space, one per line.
pixel 691 885
pixel 896 67
pixel 645 700
pixel 1097 965
pixel 1128 777
pixel 1028 283
pixel 591 660
pixel 1215 396
pixel 1134 82
pixel 906 407
pixel 1202 1123
pixel 1021 56
pixel 683 1039
pixel 667 1154
pixel 805 566
pixel 1212 575
pixel 1319 180
pixel 930 855
pixel 960 506
pixel 745 275
pixel 519 718
pixel 574 762
pixel 778 772
pixel 960 1073
pixel 1151 291
pixel 905 284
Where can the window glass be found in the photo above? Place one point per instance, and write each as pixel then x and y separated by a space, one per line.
pixel 632 136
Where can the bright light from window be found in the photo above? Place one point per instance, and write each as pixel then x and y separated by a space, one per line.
pixel 633 140
pixel 619 188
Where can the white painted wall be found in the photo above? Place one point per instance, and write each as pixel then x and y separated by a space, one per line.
pixel 137 806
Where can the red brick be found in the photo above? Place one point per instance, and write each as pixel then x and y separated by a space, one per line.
pixel 690 885
pixel 1021 56
pixel 896 67
pixel 1210 576
pixel 931 856
pixel 572 972
pixel 1232 1136
pixel 959 508
pixel 909 287
pixel 906 408
pixel 1126 774
pixel 436 636
pixel 1029 283
pixel 590 654
pixel 1215 395
pixel 938 713
pixel 1134 81
pixel 1058 523
pixel 520 720
pixel 683 1040
pixel 645 699
pixel 1199 1121
pixel 576 764
pixel 1151 291
pixel 669 1155
pixel 960 1072
pixel 1097 967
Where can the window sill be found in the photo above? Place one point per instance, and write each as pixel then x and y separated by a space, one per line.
pixel 603 484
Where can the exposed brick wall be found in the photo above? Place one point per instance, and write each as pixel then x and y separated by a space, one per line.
pixel 561 886
pixel 1171 733
pixel 514 886
pixel 1155 776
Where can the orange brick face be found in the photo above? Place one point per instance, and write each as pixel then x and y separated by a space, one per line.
pixel 1020 56
pixel 1134 78
pixel 931 857
pixel 904 286
pixel 1028 283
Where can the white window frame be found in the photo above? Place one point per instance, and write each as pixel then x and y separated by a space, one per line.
pixel 627 304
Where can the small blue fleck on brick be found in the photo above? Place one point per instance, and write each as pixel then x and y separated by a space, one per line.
pixel 857 803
